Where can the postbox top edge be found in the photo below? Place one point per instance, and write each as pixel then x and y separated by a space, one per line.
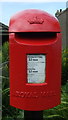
pixel 33 20
pixel 33 30
pixel 15 31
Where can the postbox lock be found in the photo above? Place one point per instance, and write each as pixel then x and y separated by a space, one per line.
pixel 36 20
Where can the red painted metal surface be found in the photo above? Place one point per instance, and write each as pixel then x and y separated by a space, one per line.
pixel 33 21
pixel 28 96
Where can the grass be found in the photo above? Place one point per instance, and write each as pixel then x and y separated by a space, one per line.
pixel 61 111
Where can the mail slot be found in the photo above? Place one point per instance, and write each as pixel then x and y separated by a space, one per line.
pixel 35 60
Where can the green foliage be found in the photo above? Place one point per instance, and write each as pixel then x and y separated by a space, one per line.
pixel 5 52
pixel 0 54
pixel 10 113
pixel 61 111
pixel 64 66
pixel 7 110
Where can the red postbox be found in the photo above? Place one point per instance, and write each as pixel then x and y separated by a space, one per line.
pixel 35 60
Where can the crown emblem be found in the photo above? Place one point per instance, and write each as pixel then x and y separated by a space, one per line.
pixel 36 20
